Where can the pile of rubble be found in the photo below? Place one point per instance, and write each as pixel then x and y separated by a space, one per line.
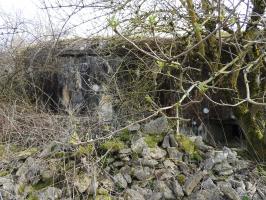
pixel 143 162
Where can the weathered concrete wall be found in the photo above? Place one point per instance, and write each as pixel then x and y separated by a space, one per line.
pixel 73 79
pixel 77 78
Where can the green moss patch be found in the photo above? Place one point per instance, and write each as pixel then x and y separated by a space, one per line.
pixel 84 150
pixel 42 184
pixel 153 140
pixel 181 179
pixel 27 152
pixel 189 147
pixel 125 135
pixel 4 173
pixel 32 197
pixel 21 189
pixel 113 145
pixel 186 144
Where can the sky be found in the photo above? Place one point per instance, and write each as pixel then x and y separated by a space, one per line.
pixel 27 8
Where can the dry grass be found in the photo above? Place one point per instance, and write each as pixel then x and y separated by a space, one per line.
pixel 25 125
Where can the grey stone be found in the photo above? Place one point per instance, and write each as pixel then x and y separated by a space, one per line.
pixel 30 171
pixel 84 182
pixel 236 184
pixel 192 182
pixel 54 147
pixel 142 173
pixel 161 186
pixel 262 193
pixel 208 184
pixel 128 178
pixel 131 194
pixel 209 194
pixel 169 164
pixel 157 126
pixel 138 145
pixel 156 196
pixel 232 155
pixel 125 152
pixel 125 169
pixel 183 167
pixel 172 141
pixel 125 159
pixel 174 153
pixel 208 164
pixel 120 180
pixel 242 165
pixel 166 142
pixel 146 193
pixel 50 193
pixel 177 189
pixel 118 164
pixel 200 144
pixel 134 127
pixel 7 187
pixel 257 196
pixel 229 192
pixel 157 153
pixel 146 162
pixel 223 169
pixel 241 192
pixel 163 174
pixel 108 183
pixel 146 153
pixel 251 188
pixel 220 156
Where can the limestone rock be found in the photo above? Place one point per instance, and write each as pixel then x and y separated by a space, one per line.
pixel 131 194
pixel 208 184
pixel 161 186
pixel 169 164
pixel 174 153
pixel 220 156
pixel 84 182
pixel 50 193
pixel 120 180
pixel 134 127
pixel 208 164
pixel 192 182
pixel 166 142
pixel 145 192
pixel 229 192
pixel 157 153
pixel 172 140
pixel 209 194
pixel 157 126
pixel 138 145
pixel 177 189
pixel 156 196
pixel 146 162
pixel 7 187
pixel 30 171
pixel 223 169
pixel 142 173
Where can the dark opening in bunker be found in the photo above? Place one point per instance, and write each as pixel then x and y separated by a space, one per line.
pixel 224 132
